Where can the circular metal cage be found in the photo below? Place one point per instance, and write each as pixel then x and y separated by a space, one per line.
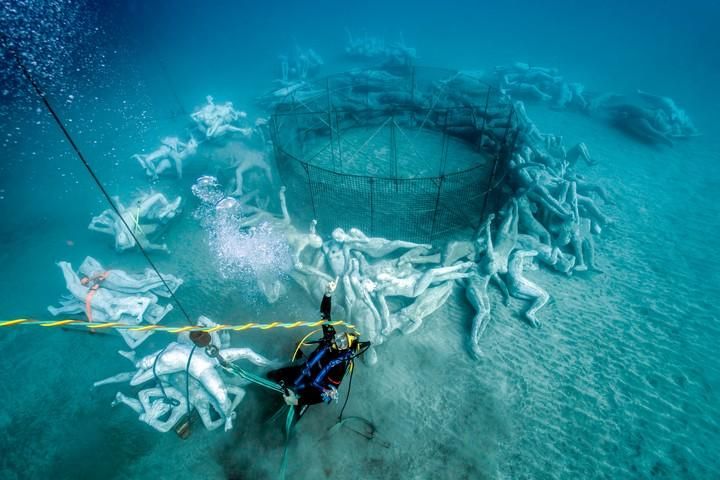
pixel 403 153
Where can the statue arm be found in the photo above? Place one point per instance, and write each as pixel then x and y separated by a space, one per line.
pixel 283 206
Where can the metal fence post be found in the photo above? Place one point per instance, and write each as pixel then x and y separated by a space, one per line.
pixel 372 206
pixel 329 119
pixel 437 207
pixel 393 146
pixel 306 167
pixel 485 114
pixel 444 148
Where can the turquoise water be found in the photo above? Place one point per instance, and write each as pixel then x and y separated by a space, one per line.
pixel 621 380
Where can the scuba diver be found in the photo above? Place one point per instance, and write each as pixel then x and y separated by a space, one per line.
pixel 319 377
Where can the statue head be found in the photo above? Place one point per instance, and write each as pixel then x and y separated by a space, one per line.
pixel 339 235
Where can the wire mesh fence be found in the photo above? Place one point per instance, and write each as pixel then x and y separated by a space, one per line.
pixel 395 154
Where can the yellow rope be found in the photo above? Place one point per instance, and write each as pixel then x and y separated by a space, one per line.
pixel 302 342
pixel 171 329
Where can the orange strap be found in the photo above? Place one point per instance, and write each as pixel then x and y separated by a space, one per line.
pixel 94 288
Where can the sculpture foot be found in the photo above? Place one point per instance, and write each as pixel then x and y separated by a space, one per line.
pixel 532 320
pixel 370 357
pixel 475 351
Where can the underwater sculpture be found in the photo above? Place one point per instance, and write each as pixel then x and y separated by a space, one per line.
pixel 161 409
pixel 251 160
pixel 216 120
pixel 145 217
pixel 369 47
pixel 129 283
pixel 124 299
pixel 658 121
pixel 522 288
pixel 171 153
pixel 412 286
pixel 304 64
pixel 373 246
pixel 550 209
pixel 175 358
pixel 171 368
pixel 680 125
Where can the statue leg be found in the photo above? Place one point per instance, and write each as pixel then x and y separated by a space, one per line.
pixel 119 378
pixel 524 289
pixel 235 354
pixel 476 292
pixel 133 403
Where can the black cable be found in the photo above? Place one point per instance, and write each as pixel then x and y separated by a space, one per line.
pixel 187 380
pixel 347 397
pixel 41 94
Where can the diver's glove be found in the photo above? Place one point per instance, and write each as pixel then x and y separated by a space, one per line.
pixel 291 397
pixel 330 394
pixel 331 286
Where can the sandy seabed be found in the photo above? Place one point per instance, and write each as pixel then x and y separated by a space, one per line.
pixel 618 382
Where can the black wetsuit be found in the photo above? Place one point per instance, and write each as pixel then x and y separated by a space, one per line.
pixel 324 368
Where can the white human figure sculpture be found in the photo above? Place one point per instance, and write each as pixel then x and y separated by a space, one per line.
pixel 413 285
pixel 175 358
pixel 123 282
pixel 373 246
pixel 172 152
pixel 100 304
pixel 522 288
pixel 123 377
pixel 154 208
pixel 261 216
pixel 102 301
pixel 312 278
pixel 363 308
pixel 681 123
pixel 459 250
pixel 476 292
pixel 300 241
pixel 152 406
pixel 527 221
pixel 204 404
pixel 410 318
pixel 214 120
pixel 336 258
pixel 250 160
pixel 488 268
pixel 551 256
pixel 505 237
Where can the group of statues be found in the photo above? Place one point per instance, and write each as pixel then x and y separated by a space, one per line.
pixel 145 218
pixel 116 296
pixel 376 49
pixel 302 65
pixel 654 119
pixel 550 216
pixel 181 379
pixel 150 212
